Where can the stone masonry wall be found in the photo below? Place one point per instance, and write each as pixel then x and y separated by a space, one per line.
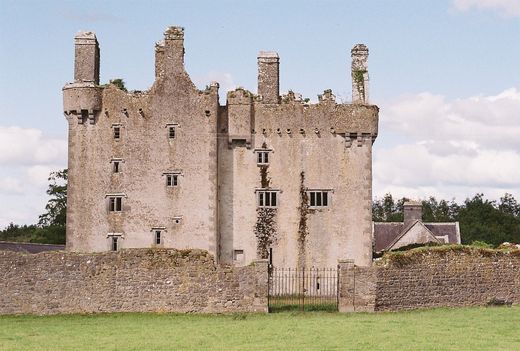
pixel 137 280
pixel 448 278
pixel 438 277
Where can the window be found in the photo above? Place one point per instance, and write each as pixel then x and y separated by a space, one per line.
pixel 114 243
pixel 172 180
pixel 318 198
pixel 158 238
pixel 238 255
pixel 115 203
pixel 262 157
pixel 116 166
pixel 267 198
pixel 171 132
pixel 117 132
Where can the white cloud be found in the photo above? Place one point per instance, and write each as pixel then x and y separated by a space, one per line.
pixel 450 148
pixel 27 157
pixel 20 146
pixel 507 8
pixel 10 185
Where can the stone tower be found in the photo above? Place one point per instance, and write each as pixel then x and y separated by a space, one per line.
pixel 265 173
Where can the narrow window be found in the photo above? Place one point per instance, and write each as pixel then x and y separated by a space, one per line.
pixel 171 132
pixel 115 204
pixel 267 199
pixel 238 255
pixel 171 180
pixel 117 132
pixel 262 157
pixel 115 166
pixel 114 243
pixel 157 237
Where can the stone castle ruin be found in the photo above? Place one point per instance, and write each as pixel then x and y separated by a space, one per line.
pixel 262 175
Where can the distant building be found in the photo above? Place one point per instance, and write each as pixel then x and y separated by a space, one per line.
pixel 171 167
pixel 391 235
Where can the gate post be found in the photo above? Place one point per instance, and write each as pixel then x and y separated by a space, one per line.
pixel 260 303
pixel 347 286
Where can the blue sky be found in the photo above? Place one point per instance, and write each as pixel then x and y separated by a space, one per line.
pixel 446 75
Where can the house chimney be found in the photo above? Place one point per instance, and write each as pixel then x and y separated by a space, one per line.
pixel 412 212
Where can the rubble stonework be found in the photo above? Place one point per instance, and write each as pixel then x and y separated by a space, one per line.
pixel 439 277
pixel 165 280
pixel 214 155
pixel 138 280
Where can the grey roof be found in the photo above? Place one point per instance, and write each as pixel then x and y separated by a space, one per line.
pixel 29 247
pixel 386 232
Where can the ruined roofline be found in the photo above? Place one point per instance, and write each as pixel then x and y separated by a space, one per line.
pixel 293 97
pixel 169 61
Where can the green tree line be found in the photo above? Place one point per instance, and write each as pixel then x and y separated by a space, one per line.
pixel 491 222
pixel 51 224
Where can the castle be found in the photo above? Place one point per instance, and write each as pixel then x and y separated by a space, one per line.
pixel 263 176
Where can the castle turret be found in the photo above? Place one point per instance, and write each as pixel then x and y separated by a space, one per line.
pixel 83 97
pixel 360 74
pixel 169 53
pixel 269 77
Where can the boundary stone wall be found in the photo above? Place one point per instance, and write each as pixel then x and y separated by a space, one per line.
pixel 136 280
pixel 437 277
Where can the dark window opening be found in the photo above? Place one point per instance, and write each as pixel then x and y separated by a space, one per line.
pixel 114 244
pixel 157 237
pixel 267 199
pixel 171 180
pixel 116 167
pixel 115 204
pixel 171 132
pixel 263 157
pixel 117 132
pixel 318 198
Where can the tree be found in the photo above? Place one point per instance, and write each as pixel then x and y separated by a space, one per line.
pixel 56 208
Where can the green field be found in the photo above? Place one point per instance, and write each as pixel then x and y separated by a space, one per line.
pixel 438 329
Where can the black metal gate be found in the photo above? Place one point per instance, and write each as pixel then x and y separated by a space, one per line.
pixel 304 289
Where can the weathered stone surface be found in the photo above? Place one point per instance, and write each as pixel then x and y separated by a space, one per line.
pixel 138 280
pixel 444 277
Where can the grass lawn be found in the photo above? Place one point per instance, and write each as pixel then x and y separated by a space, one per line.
pixel 438 329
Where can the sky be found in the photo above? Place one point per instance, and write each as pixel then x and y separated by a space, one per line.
pixel 445 74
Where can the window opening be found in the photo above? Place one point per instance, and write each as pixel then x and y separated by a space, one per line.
pixel 172 180
pixel 171 132
pixel 115 204
pixel 319 198
pixel 114 245
pixel 117 132
pixel 267 199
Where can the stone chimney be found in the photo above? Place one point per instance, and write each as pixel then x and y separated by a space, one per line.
pixel 86 58
pixel 359 72
pixel 169 53
pixel 412 212
pixel 269 77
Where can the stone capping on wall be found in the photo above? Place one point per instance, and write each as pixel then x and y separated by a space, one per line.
pixel 131 280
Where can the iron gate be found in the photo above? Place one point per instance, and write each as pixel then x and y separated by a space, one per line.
pixel 305 289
